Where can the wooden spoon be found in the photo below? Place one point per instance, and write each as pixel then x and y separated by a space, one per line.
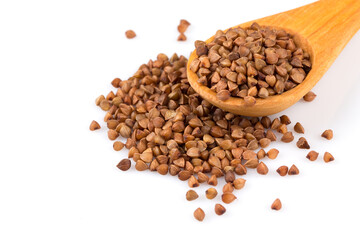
pixel 322 29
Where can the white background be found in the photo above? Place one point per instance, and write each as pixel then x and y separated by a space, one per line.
pixel 58 180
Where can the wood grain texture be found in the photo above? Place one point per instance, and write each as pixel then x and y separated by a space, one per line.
pixel 322 28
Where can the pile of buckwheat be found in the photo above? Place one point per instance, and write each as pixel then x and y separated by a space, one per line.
pixel 255 62
pixel 170 129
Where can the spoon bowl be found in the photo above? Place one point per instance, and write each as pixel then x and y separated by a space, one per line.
pixel 322 29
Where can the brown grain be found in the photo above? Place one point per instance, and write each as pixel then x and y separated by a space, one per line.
pixel 287 137
pixel 94 126
pixel 124 164
pixel 193 182
pixel 213 180
pixel 276 205
pixel 272 153
pixel 191 195
pixel 211 193
pixel 228 197
pixel 309 97
pixel 130 34
pixel 302 143
pixel 299 128
pixel 262 168
pixel 328 134
pixel 199 214
pixel 293 170
pixel 219 209
pixel 282 171
pixel 328 157
pixel 118 146
pixel 239 183
pixel 312 155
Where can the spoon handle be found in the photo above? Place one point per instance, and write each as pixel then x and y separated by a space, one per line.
pixel 327 25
